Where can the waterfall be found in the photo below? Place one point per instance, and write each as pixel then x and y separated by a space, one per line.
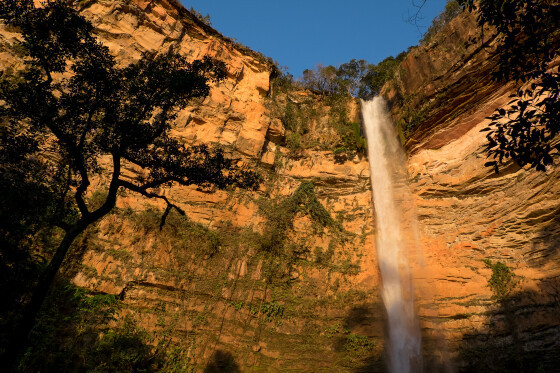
pixel 395 230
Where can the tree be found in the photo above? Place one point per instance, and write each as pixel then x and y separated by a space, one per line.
pixel 352 75
pixel 527 44
pixel 74 113
pixel 322 79
pixel 377 75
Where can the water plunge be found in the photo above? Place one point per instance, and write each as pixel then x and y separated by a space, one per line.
pixel 396 230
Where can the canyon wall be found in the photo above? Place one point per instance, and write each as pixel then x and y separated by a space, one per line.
pixel 467 213
pixel 314 305
pixel 216 288
pixel 239 283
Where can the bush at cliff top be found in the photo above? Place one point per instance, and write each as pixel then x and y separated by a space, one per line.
pixel 356 78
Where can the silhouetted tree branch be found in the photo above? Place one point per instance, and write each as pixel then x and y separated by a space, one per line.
pixel 528 39
pixel 73 105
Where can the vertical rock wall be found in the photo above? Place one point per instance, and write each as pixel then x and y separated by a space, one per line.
pixel 217 300
pixel 469 214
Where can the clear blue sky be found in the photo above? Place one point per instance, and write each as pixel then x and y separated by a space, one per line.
pixel 302 33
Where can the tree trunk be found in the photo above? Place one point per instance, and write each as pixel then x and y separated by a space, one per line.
pixel 16 348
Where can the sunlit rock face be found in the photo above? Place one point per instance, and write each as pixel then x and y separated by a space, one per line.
pixel 234 113
pixel 314 309
pixel 468 213
pixel 220 304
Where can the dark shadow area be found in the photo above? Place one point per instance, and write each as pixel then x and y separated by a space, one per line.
pixel 435 354
pixel 522 335
pixel 18 274
pixel 20 267
pixel 71 333
pixel 373 320
pixel 360 339
pixel 222 362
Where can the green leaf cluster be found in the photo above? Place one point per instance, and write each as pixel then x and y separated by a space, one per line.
pixel 280 219
pixel 503 280
pixel 358 344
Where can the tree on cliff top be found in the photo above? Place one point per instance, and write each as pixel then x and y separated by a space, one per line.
pixel 72 107
pixel 528 41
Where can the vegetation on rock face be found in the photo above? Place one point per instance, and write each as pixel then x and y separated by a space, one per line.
pixel 503 281
pixel 319 101
pixel 282 255
pixel 335 89
pixel 183 267
pixel 528 43
pixel 71 106
pixel 72 333
pixel 316 122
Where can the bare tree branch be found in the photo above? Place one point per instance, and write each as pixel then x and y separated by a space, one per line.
pixel 414 18
pixel 141 190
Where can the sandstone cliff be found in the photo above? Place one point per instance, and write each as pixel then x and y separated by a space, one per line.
pixel 217 289
pixel 441 97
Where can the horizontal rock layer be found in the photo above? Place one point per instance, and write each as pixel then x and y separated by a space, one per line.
pixel 217 304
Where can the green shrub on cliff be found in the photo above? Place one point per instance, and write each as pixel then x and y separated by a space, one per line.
pixel 502 281
pixel 280 254
pixel 281 215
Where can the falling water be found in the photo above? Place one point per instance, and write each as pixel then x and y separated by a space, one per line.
pixel 391 197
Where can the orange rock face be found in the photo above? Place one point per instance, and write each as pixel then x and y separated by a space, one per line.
pixel 468 214
pixel 208 284
pixel 219 296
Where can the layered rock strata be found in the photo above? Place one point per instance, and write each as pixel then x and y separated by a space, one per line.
pixel 207 286
pixel 221 299
pixel 468 213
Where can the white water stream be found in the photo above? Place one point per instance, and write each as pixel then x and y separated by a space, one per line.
pixel 394 226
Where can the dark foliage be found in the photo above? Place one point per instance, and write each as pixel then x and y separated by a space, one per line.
pixel 528 42
pixel 72 114
pixel 72 335
pixel 526 129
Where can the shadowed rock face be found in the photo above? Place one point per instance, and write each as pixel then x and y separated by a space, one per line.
pixel 219 306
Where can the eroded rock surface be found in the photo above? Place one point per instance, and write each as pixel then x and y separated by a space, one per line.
pixel 468 213
pixel 324 314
